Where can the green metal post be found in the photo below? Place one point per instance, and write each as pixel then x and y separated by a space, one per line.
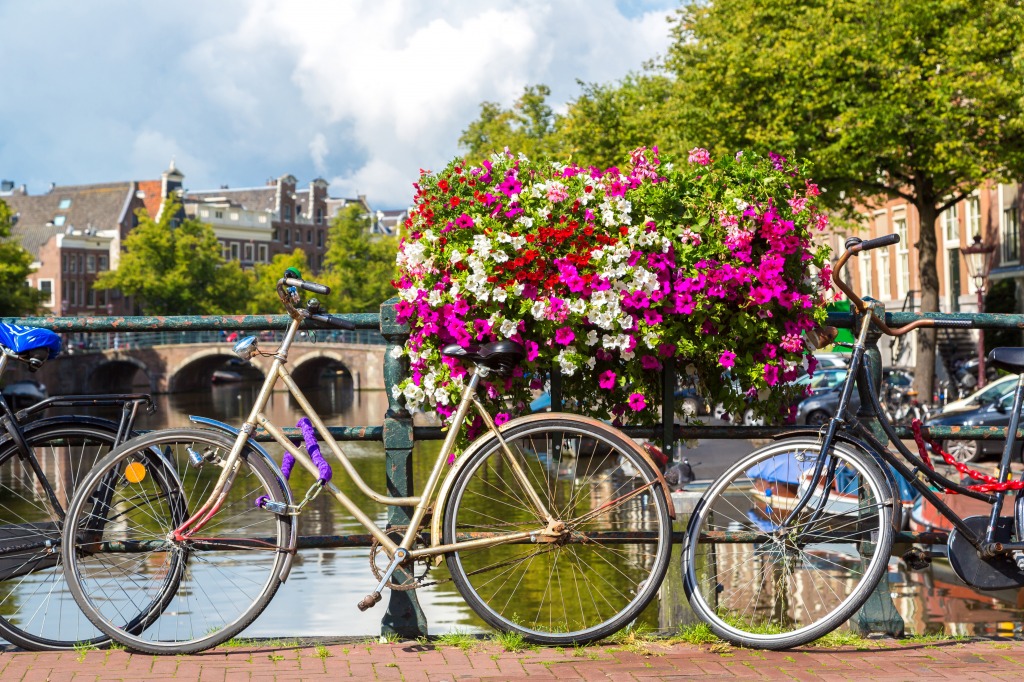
pixel 404 617
pixel 879 614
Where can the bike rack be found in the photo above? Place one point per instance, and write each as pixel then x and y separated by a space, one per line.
pixel 404 616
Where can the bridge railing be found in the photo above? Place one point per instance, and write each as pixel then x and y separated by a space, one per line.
pixel 91 342
pixel 398 434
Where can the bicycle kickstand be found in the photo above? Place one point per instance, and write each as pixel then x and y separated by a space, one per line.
pixel 374 597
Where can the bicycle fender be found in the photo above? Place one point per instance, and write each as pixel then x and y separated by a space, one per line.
pixel 890 478
pixel 442 496
pixel 294 530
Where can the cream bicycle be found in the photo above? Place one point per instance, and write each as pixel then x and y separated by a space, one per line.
pixel 552 525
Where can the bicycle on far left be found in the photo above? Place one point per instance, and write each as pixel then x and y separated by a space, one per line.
pixel 43 456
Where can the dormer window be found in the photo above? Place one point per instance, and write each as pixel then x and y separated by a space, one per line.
pixel 59 220
pixel 64 204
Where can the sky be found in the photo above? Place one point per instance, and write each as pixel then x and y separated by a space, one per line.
pixel 360 93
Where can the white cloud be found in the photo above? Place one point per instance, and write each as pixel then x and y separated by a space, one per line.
pixel 366 92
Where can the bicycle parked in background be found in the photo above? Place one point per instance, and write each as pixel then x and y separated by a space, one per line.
pixel 42 460
pixel 789 542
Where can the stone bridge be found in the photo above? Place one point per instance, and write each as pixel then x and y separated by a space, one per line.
pixel 184 367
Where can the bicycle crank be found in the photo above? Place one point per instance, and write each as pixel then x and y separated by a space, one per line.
pixel 374 597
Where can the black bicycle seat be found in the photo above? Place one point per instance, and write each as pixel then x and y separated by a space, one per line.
pixel 500 356
pixel 1010 359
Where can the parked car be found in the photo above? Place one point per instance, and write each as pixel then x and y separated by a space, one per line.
pixel 988 413
pixel 821 406
pixel 991 392
pixel 832 360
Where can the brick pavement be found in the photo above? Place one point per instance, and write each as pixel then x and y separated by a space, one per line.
pixel 433 662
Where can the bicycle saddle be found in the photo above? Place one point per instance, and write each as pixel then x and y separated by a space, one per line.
pixel 1010 359
pixel 25 339
pixel 500 356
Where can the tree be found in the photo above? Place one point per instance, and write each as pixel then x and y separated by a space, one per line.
pixel 174 266
pixel 15 266
pixel 528 127
pixel 359 266
pixel 919 99
pixel 263 281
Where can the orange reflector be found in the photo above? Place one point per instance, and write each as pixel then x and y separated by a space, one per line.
pixel 135 472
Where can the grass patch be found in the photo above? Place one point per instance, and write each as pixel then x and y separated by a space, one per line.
pixel 838 638
pixel 322 652
pixel 513 642
pixel 275 657
pixel 935 638
pixel 389 638
pixel 457 638
pixel 635 638
pixel 697 633
pixel 83 648
pixel 239 642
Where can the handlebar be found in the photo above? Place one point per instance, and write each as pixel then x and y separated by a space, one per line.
pixel 855 245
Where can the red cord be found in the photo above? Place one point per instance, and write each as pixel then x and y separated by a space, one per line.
pixel 990 485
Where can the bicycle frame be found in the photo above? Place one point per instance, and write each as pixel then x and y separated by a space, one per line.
pixel 859 372
pixel 422 503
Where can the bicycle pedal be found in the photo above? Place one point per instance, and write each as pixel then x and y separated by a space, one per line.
pixel 369 601
pixel 916 559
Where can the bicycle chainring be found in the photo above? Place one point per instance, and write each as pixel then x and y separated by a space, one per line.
pixel 412 583
pixel 995 573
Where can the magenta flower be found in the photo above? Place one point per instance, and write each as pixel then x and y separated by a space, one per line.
pixel 649 362
pixel 532 351
pixel 564 336
pixel 606 380
pixel 501 418
pixel 771 374
pixel 700 156
pixel 637 402
pixel 727 358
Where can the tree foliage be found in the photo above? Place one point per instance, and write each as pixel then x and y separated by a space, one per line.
pixel 15 266
pixel 919 99
pixel 174 266
pixel 359 266
pixel 528 127
pixel 263 281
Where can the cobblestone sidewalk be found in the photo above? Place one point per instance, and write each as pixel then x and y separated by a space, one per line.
pixel 362 660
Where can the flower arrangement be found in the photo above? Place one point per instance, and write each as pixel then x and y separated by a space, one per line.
pixel 603 275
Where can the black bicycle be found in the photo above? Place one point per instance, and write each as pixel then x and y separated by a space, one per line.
pixel 42 460
pixel 793 538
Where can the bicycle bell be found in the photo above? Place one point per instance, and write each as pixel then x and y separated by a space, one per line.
pixel 245 348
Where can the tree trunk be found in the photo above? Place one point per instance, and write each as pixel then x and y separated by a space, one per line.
pixel 927 252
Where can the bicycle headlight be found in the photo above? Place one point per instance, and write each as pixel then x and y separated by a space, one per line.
pixel 246 348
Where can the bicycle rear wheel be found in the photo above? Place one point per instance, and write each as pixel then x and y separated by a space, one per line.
pixel 597 573
pixel 36 609
pixel 204 589
pixel 759 584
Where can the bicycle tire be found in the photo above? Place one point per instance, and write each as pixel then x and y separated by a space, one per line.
pixel 576 465
pixel 787 588
pixel 36 610
pixel 212 585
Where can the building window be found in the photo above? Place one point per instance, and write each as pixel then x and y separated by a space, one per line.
pixel 951 224
pixel 59 220
pixel 234 215
pixel 234 250
pixel 319 216
pixel 1010 236
pixel 287 237
pixel 46 286
pixel 90 298
pixel 64 262
pixel 298 237
pixel 866 283
pixel 287 212
pixel 204 213
pixel 64 204
pixel 74 263
pixel 103 263
pixel 973 217
pixel 262 219
pixel 218 214
pixel 309 236
pixel 320 238
pixel 261 249
pixel 90 263
pixel 902 257
pixel 884 278
pixel 248 253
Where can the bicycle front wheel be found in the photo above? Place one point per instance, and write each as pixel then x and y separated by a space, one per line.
pixel 122 558
pixel 588 572
pixel 36 609
pixel 761 582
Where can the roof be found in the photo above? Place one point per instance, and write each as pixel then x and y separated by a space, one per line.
pixel 151 190
pixel 251 198
pixel 41 216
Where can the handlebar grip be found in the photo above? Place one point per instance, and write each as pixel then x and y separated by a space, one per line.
pixel 887 240
pixel 333 321
pixel 311 287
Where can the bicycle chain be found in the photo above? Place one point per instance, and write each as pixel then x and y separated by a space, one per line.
pixel 420 582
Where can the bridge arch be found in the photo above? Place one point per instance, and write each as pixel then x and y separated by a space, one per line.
pixel 312 365
pixel 196 371
pixel 119 375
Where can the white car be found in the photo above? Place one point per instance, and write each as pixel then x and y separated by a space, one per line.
pixel 992 392
pixel 830 360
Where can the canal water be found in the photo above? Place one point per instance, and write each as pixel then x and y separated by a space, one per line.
pixel 320 596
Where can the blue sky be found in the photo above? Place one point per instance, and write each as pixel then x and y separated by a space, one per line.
pixel 361 93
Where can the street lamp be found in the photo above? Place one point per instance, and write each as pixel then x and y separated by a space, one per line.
pixel 979 259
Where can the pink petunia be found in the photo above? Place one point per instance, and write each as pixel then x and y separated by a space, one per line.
pixel 637 401
pixel 501 418
pixel 700 156
pixel 606 380
pixel 727 358
pixel 564 336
